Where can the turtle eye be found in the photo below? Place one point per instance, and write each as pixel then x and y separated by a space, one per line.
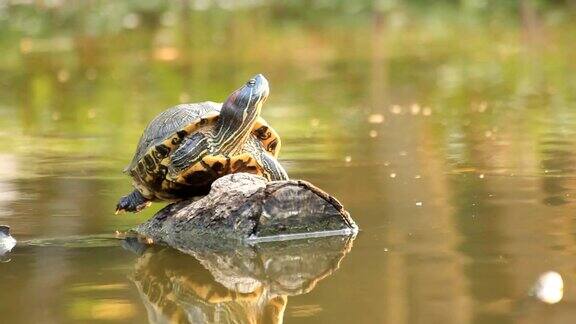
pixel 252 82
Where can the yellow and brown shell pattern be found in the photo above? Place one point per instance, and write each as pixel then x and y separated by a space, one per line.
pixel 151 173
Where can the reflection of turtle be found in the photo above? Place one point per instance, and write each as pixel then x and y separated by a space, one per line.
pixel 185 148
pixel 236 284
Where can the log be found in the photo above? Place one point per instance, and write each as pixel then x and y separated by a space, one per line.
pixel 245 207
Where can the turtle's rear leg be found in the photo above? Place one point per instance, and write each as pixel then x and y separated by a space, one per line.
pixel 133 202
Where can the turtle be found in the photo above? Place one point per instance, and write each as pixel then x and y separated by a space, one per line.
pixel 7 242
pixel 187 147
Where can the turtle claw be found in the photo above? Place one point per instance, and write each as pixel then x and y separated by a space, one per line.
pixel 133 202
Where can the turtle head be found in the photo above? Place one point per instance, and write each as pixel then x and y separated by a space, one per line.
pixel 239 112
pixel 4 229
pixel 249 98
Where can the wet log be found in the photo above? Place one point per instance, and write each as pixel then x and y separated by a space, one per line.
pixel 246 207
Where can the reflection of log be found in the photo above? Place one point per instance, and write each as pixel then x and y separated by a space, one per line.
pixel 238 284
pixel 246 207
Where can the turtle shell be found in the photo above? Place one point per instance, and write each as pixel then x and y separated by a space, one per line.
pixel 156 177
pixel 167 123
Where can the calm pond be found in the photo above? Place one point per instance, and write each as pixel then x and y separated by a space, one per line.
pixel 448 131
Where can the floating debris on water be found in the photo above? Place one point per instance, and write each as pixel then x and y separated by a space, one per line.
pixel 415 109
pixel 315 122
pixel 549 288
pixel 417 176
pixel 392 175
pixel 376 119
pixel 419 203
pixel 373 133
pixel 481 176
pixel 348 159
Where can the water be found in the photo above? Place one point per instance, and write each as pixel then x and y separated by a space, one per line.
pixel 447 132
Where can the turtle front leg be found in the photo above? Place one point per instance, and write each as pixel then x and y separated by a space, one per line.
pixel 273 170
pixel 133 202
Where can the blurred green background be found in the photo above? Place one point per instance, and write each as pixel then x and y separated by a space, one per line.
pixel 447 128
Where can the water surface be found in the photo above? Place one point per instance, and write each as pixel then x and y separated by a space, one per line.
pixel 448 132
